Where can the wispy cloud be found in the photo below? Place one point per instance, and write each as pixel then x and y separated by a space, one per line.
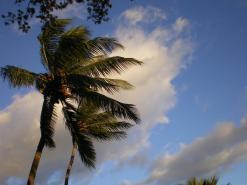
pixel 75 10
pixel 180 24
pixel 140 14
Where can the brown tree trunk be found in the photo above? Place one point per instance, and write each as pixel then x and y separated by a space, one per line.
pixel 72 157
pixel 35 164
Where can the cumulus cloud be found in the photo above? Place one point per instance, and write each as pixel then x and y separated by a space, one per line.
pixel 209 155
pixel 154 93
pixel 19 137
pixel 143 14
pixel 164 54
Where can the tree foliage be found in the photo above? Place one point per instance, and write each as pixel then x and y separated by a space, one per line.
pixel 203 181
pixel 43 10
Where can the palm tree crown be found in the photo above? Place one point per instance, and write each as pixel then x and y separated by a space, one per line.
pixel 208 181
pixel 88 122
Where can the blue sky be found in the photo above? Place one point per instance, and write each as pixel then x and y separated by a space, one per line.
pixel 191 94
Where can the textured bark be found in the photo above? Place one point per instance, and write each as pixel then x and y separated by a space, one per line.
pixel 72 157
pixel 35 164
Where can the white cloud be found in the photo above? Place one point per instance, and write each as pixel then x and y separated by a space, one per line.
pixel 74 10
pixel 180 24
pixel 143 14
pixel 163 53
pixel 4 117
pixel 154 93
pixel 209 155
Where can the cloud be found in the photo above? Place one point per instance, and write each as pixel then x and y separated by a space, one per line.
pixel 180 24
pixel 164 54
pixel 4 117
pixel 209 155
pixel 143 14
pixel 75 10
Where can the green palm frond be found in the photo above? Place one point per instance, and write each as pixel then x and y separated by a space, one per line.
pixel 94 117
pixel 107 130
pixel 49 41
pixel 70 119
pixel 98 84
pixel 212 181
pixel 47 121
pixel 89 122
pixel 86 150
pixel 118 109
pixel 110 125
pixel 102 134
pixel 103 45
pixel 78 32
pixel 18 77
pixel 121 84
pixel 207 181
pixel 102 65
pixel 74 48
pixel 91 116
pixel 83 142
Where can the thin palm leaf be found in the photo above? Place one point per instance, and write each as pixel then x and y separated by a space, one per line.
pixel 102 65
pixel 118 109
pixel 49 41
pixel 18 77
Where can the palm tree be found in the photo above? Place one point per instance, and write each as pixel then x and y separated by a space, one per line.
pixel 208 181
pixel 76 68
pixel 86 124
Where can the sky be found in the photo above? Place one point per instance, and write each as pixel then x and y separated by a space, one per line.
pixel 191 94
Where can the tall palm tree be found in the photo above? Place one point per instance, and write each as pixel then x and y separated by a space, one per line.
pixel 208 181
pixel 76 68
pixel 86 124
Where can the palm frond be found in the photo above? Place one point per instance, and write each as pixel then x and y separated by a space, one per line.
pixel 102 134
pixel 112 126
pixel 97 84
pixel 74 49
pixel 94 116
pixel 102 65
pixel 49 41
pixel 47 121
pixel 118 109
pixel 201 181
pixel 103 45
pixel 18 77
pixel 70 119
pixel 78 32
pixel 121 84
pixel 91 116
pixel 84 143
pixel 86 150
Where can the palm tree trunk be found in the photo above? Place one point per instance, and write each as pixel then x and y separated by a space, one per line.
pixel 72 157
pixel 35 164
